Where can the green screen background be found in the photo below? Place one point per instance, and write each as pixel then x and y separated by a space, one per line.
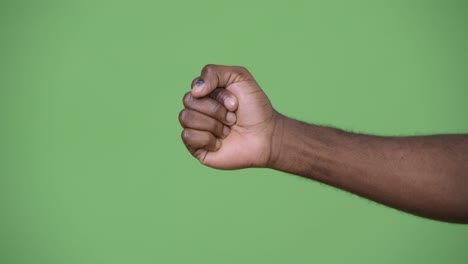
pixel 93 169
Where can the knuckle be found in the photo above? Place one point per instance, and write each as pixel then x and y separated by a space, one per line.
pixel 208 68
pixel 243 72
pixel 187 136
pixel 183 116
pixel 187 99
pixel 242 69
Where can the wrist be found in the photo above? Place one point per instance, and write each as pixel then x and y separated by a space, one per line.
pixel 277 140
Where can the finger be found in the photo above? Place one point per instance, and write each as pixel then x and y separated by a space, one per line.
pixel 210 107
pixel 189 118
pixel 225 97
pixel 196 139
pixel 218 76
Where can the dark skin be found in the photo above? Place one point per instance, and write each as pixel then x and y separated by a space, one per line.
pixel 229 123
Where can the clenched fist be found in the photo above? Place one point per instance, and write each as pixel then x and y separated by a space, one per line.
pixel 228 121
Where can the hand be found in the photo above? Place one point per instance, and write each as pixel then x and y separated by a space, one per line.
pixel 234 131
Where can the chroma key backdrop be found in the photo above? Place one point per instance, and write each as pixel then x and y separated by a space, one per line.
pixel 93 169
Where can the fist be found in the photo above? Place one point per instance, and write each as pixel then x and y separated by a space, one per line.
pixel 228 121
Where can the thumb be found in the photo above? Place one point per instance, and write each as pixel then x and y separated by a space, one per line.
pixel 218 76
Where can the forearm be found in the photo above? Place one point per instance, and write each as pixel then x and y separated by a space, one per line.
pixel 427 176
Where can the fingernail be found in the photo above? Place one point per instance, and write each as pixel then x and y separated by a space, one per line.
pixel 226 131
pixel 231 117
pixel 230 103
pixel 199 82
pixel 218 144
pixel 198 85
